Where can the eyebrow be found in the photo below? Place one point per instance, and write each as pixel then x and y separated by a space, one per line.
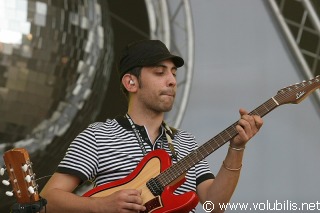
pixel 162 65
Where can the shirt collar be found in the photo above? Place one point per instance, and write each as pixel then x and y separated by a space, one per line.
pixel 123 121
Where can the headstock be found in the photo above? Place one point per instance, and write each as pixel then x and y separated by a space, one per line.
pixel 294 94
pixel 21 176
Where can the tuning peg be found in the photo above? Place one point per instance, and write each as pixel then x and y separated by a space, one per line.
pixel 10 194
pixel 28 178
pixel 25 167
pixel 6 182
pixel 2 170
pixel 31 189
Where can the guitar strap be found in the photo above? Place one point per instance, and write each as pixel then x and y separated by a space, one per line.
pixel 169 136
pixel 168 132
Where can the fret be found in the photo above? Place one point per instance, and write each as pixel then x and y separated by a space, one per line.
pixel 215 141
pixel 230 136
pixel 275 101
pixel 255 112
pixel 222 139
pixel 265 107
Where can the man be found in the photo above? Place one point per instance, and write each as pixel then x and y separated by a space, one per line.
pixel 109 151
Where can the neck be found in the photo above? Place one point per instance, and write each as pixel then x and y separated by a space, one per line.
pixel 151 120
pixel 146 119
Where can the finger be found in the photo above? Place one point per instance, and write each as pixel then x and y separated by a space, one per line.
pixel 132 191
pixel 250 119
pixel 242 135
pixel 258 121
pixel 247 123
pixel 243 112
pixel 134 207
pixel 245 116
pixel 130 196
pixel 134 199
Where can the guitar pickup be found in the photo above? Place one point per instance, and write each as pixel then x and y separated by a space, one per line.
pixel 155 186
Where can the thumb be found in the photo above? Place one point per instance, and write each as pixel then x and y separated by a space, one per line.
pixel 243 112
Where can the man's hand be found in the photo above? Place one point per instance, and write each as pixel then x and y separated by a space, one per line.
pixel 247 127
pixel 128 200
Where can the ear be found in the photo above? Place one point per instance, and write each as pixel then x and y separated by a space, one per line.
pixel 130 82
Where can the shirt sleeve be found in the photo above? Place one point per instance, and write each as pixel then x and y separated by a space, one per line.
pixel 202 169
pixel 203 172
pixel 188 144
pixel 81 158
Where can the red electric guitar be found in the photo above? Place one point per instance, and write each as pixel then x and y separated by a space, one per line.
pixel 158 179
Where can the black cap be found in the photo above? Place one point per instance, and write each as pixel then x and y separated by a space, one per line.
pixel 145 53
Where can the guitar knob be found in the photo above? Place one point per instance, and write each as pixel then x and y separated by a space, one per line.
pixel 10 194
pixel 31 189
pixel 28 178
pixel 25 167
pixel 6 182
pixel 2 170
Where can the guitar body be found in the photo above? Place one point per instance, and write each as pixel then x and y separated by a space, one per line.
pixel 151 165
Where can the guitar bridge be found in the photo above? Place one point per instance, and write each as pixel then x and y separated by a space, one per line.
pixel 155 186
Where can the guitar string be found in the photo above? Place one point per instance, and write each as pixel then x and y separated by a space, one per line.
pixel 203 150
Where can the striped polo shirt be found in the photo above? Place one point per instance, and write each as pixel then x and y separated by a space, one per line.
pixel 108 151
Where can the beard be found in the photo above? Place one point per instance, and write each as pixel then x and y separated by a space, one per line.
pixel 159 103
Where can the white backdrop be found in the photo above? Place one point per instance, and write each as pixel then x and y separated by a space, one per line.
pixel 242 61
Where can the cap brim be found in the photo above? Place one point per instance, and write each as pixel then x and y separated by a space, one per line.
pixel 178 61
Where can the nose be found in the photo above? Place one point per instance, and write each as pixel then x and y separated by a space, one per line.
pixel 172 81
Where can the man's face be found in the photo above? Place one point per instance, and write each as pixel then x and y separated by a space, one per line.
pixel 158 86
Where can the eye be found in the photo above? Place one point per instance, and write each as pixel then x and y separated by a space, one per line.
pixel 174 73
pixel 159 70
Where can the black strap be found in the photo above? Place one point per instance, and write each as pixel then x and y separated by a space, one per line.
pixel 168 132
pixel 29 207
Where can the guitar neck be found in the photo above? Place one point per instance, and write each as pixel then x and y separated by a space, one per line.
pixel 176 170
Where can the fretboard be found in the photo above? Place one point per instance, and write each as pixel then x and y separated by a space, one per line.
pixel 179 168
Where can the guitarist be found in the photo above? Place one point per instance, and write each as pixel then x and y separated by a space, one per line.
pixel 108 151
